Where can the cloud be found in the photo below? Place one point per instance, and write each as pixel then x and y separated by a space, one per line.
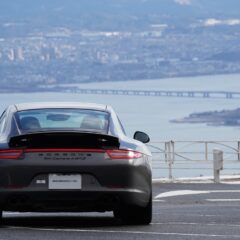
pixel 183 2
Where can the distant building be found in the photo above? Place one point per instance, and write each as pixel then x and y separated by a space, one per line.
pixel 11 55
pixel 19 54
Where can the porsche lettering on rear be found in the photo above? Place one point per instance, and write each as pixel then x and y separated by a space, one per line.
pixel 63 156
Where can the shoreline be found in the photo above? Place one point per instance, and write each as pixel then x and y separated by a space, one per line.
pixel 109 84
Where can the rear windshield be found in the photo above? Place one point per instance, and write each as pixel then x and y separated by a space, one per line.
pixel 75 119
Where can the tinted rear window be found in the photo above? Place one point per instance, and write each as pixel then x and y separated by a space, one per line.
pixel 77 119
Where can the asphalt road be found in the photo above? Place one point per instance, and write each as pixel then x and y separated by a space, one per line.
pixel 181 211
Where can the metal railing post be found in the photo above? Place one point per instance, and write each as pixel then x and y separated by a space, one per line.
pixel 238 149
pixel 169 157
pixel 166 151
pixel 217 164
pixel 172 157
pixel 206 151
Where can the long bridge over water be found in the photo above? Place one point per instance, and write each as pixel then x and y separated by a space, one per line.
pixel 157 93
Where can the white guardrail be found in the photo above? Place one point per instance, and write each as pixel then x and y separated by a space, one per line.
pixel 182 158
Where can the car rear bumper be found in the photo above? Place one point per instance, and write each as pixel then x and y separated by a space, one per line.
pixel 70 201
pixel 104 186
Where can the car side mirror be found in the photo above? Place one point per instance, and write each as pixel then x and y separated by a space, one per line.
pixel 141 136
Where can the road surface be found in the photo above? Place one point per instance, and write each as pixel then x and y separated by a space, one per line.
pixel 180 211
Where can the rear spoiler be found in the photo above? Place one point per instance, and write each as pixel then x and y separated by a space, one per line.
pixel 63 139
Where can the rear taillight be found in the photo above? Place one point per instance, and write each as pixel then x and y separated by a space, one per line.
pixel 123 154
pixel 10 154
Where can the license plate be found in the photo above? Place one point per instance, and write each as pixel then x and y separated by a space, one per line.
pixel 64 181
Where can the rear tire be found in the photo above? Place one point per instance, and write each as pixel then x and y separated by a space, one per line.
pixel 135 214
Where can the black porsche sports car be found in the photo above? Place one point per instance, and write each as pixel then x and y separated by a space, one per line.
pixel 73 157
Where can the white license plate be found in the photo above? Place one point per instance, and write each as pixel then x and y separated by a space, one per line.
pixel 64 181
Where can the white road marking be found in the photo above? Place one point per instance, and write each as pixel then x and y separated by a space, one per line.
pixel 235 182
pixel 189 215
pixel 127 232
pixel 203 224
pixel 10 213
pixel 223 200
pixel 158 200
pixel 192 192
pixel 179 193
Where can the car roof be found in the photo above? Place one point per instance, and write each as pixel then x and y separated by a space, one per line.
pixel 42 105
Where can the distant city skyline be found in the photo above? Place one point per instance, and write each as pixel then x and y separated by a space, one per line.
pixel 47 43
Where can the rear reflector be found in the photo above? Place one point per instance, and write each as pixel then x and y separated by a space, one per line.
pixel 10 154
pixel 123 154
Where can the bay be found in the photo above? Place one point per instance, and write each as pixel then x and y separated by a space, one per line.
pixel 152 114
